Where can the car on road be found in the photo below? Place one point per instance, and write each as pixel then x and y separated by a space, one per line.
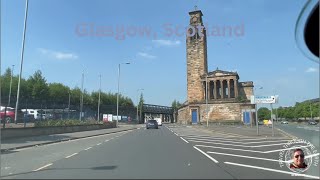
pixel 152 124
pixel 284 122
pixel 312 122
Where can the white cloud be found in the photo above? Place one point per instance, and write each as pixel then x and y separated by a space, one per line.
pixel 57 54
pixel 168 43
pixel 311 69
pixel 146 55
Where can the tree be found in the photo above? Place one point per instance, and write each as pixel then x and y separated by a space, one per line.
pixel 175 105
pixel 264 113
pixel 38 87
pixel 58 93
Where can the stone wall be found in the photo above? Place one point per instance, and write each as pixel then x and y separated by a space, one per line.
pixel 246 89
pixel 183 115
pixel 223 112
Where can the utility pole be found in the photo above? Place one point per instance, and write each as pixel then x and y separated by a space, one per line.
pixel 81 98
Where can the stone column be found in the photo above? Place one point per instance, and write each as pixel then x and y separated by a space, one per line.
pixel 222 93
pixel 215 89
pixel 235 88
pixel 229 89
pixel 208 90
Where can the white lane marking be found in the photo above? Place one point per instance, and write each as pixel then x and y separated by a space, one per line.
pixel 176 134
pixel 106 140
pixel 235 144
pixel 274 170
pixel 184 140
pixel 71 155
pixel 233 139
pixel 99 144
pixel 260 142
pixel 229 148
pixel 88 148
pixel 236 155
pixel 251 150
pixel 43 167
pixel 211 158
pixel 285 149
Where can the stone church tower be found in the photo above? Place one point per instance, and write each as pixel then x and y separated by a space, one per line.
pixel 196 57
pixel 216 96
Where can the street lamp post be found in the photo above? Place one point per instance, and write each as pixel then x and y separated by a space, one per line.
pixel 99 99
pixel 118 91
pixel 21 61
pixel 138 104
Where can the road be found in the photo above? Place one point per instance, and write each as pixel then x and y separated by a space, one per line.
pixel 169 152
pixel 303 131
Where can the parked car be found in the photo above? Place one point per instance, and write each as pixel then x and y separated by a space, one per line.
pixel 152 124
pixel 312 122
pixel 9 116
pixel 284 122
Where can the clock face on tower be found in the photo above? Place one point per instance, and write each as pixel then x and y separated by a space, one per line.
pixel 194 19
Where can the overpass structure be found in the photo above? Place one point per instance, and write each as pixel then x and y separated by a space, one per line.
pixel 150 111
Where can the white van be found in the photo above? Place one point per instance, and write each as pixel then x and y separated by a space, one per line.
pixel 35 112
pixel 159 120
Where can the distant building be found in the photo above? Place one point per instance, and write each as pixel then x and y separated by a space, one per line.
pixel 228 99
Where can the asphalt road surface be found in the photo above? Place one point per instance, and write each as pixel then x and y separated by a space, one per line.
pixel 167 152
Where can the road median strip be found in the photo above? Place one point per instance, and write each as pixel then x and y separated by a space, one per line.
pixel 61 140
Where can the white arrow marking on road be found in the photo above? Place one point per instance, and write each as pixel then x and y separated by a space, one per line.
pixel 43 167
pixel 211 158
pixel 71 155
pixel 274 170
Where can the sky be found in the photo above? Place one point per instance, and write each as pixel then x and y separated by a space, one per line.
pixel 67 37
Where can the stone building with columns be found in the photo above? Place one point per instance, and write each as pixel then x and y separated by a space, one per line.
pixel 216 96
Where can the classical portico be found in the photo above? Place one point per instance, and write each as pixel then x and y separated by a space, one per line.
pixel 221 85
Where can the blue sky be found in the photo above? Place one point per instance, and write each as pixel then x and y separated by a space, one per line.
pixel 62 41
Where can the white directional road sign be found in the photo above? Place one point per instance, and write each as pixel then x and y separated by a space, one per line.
pixel 264 99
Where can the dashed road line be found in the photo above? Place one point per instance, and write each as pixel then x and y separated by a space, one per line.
pixel 99 144
pixel 211 158
pixel 273 170
pixel 106 140
pixel 43 167
pixel 71 155
pixel 184 140
pixel 87 148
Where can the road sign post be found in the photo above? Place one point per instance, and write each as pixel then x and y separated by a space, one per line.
pixel 264 100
